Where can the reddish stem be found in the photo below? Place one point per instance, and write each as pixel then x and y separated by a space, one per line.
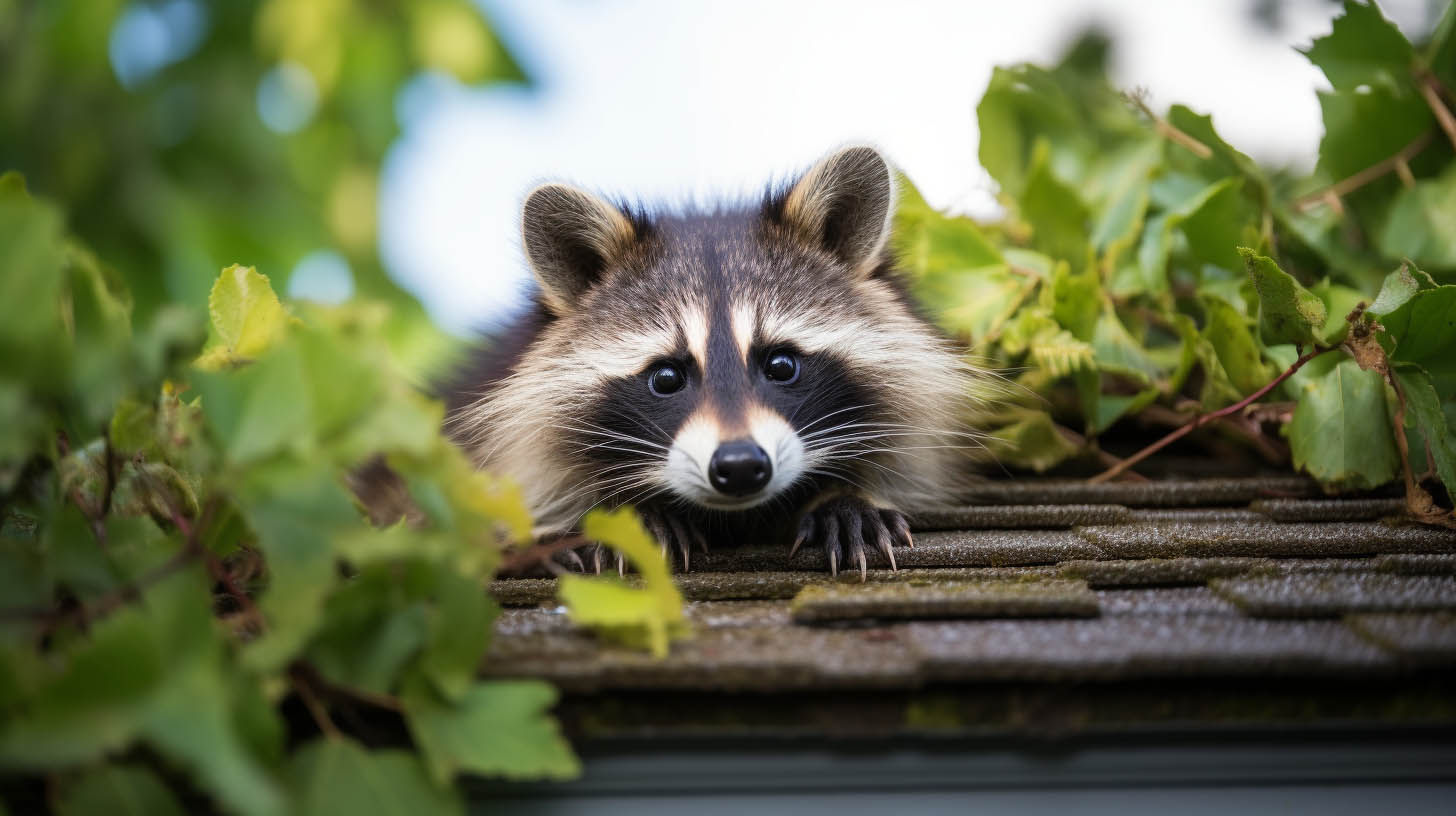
pixel 1203 419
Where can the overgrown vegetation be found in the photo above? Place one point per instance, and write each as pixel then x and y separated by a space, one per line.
pixel 183 560
pixel 1148 271
pixel 196 613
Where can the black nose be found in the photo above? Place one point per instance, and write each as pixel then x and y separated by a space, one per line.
pixel 739 468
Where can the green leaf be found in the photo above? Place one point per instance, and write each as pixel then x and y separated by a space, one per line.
pixel 371 629
pixel 459 633
pixel 247 318
pixel 1232 338
pixel 499 728
pixel 1363 48
pixel 1119 217
pixel 1020 104
pixel 1350 145
pixel 1423 331
pixel 1341 432
pixel 1339 301
pixel 1057 215
pixel 1418 224
pixel 1399 287
pixel 296 512
pixel 1288 313
pixel 1424 414
pixel 1159 234
pixel 1031 442
pixel 335 776
pixel 118 790
pixel 191 723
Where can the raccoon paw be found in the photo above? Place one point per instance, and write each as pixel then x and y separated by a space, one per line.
pixel 673 534
pixel 846 525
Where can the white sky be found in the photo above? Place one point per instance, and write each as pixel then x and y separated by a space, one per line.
pixel 670 100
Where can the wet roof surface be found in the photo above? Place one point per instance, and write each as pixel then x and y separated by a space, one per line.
pixel 1063 583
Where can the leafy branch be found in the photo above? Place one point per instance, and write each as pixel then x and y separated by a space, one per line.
pixel 1203 419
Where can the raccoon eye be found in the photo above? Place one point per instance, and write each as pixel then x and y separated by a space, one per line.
pixel 665 379
pixel 781 367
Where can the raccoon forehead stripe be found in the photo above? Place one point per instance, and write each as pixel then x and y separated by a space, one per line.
pixel 694 322
pixel 744 317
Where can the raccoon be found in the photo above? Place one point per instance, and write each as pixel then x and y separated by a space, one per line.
pixel 750 374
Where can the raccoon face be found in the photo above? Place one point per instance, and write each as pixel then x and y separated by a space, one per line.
pixel 722 359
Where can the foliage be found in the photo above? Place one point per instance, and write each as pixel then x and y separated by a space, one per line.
pixel 138 483
pixel 1144 263
pixel 138 116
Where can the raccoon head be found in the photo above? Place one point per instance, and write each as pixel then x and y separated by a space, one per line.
pixel 722 359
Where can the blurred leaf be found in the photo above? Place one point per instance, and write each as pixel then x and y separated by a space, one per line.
pixel 1020 104
pixel 1032 441
pixel 1418 224
pixel 1351 145
pixel 1339 301
pixel 1231 336
pixel 467 736
pixel 335 776
pixel 1363 48
pixel 459 633
pixel 296 513
pixel 1057 216
pixel 247 318
pixel 118 790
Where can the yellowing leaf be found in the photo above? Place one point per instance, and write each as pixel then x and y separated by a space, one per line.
pixel 648 617
pixel 247 318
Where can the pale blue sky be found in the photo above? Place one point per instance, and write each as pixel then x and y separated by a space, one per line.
pixel 671 100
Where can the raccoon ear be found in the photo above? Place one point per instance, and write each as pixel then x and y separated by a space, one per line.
pixel 571 237
pixel 844 204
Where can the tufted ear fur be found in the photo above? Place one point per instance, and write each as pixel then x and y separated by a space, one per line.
pixel 571 238
pixel 844 204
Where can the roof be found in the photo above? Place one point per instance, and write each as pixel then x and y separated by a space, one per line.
pixel 1118 605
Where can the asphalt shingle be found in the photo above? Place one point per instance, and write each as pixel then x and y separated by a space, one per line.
pixel 938 598
pixel 1310 595
pixel 1045 582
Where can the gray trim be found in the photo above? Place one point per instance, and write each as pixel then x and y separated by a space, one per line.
pixel 1337 773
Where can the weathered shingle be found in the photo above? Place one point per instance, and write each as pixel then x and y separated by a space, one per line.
pixel 938 598
pixel 1422 637
pixel 1049 583
pixel 1310 595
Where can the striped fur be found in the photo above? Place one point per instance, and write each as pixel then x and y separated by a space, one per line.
pixel 879 406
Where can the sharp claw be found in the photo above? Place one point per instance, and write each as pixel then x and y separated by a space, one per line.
pixel 899 527
pixel 680 538
pixel 854 538
pixel 882 540
pixel 574 560
pixel 596 559
pixel 829 534
pixel 806 531
pixel 621 565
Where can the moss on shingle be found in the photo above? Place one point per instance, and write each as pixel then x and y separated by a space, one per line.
pixel 935 598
